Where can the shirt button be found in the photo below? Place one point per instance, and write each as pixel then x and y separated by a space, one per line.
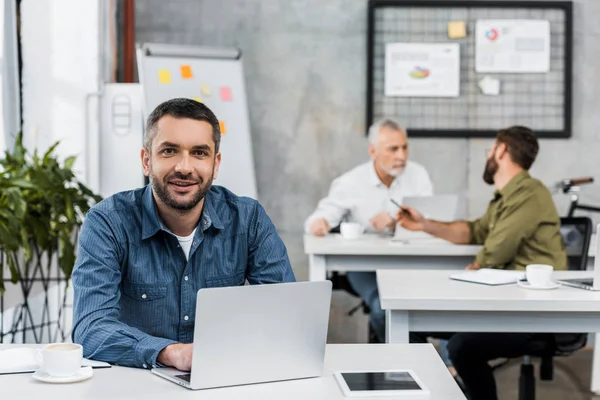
pixel 144 296
pixel 144 365
pixel 194 243
pixel 185 277
pixel 186 318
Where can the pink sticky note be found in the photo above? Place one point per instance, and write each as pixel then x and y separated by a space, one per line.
pixel 225 93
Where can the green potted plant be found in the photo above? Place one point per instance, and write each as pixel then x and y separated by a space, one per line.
pixel 42 206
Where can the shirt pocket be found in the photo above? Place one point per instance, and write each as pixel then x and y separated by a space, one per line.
pixel 143 305
pixel 237 279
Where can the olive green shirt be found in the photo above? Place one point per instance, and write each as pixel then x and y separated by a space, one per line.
pixel 520 227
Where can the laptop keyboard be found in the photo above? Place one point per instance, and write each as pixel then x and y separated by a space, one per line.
pixel 185 377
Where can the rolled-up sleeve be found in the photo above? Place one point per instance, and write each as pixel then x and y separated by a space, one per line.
pixel 479 228
pixel 96 280
pixel 334 207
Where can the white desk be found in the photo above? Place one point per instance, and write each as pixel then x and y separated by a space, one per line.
pixel 128 383
pixel 428 301
pixel 372 252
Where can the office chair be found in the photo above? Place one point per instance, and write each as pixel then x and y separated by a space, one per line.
pixel 576 233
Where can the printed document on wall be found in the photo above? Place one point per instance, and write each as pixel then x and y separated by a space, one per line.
pixel 511 45
pixel 422 69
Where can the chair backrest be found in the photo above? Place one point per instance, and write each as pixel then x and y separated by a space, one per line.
pixel 576 233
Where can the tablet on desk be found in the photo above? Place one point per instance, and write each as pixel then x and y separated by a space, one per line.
pixel 387 383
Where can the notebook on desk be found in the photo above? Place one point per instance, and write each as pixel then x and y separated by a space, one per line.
pixel 490 276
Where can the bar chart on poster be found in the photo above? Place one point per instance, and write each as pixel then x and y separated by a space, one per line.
pixel 215 77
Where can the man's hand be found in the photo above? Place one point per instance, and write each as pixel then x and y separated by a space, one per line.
pixel 411 219
pixel 319 227
pixel 383 220
pixel 473 266
pixel 177 355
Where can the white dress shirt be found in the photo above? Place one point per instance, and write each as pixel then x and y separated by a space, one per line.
pixel 359 195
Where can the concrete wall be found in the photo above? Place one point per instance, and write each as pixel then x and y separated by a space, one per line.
pixel 305 71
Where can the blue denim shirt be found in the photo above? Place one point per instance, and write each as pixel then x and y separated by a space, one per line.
pixel 135 292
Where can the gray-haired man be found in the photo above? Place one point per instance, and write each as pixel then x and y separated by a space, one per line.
pixel 365 195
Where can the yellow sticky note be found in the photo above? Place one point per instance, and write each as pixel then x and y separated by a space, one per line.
pixel 457 30
pixel 222 127
pixel 205 89
pixel 186 72
pixel 164 76
pixel 198 99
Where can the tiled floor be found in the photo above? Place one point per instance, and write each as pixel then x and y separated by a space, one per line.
pixel 571 374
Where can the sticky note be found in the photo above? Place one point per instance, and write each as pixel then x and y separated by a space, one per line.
pixel 457 30
pixel 198 99
pixel 186 72
pixel 164 76
pixel 222 127
pixel 205 89
pixel 225 93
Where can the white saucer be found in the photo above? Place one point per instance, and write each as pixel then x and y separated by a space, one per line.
pixel 527 285
pixel 83 374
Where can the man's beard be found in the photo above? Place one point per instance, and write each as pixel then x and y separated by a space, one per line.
pixel 491 167
pixel 162 191
pixel 395 172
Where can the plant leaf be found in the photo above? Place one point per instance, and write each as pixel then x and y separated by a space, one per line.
pixel 69 162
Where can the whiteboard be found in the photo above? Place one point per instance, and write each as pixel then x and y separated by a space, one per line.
pixel 10 92
pixel 214 76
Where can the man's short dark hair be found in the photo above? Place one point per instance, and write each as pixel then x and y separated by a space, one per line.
pixel 521 144
pixel 181 108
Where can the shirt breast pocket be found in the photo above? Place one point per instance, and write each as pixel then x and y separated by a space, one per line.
pixel 226 280
pixel 143 305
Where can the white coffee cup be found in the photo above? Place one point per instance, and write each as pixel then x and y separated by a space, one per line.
pixel 351 230
pixel 539 275
pixel 60 359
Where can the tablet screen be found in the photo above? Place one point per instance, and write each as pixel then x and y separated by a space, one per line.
pixel 367 381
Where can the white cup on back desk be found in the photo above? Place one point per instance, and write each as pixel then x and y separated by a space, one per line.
pixel 60 359
pixel 539 275
pixel 351 230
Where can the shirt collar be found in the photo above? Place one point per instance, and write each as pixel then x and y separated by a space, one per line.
pixel 151 222
pixel 374 178
pixel 512 186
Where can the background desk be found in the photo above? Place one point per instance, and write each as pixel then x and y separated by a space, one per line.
pixel 372 252
pixel 128 383
pixel 428 301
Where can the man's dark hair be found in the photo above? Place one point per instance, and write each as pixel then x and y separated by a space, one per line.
pixel 521 144
pixel 181 108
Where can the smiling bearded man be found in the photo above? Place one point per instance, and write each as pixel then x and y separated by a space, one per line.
pixel 144 254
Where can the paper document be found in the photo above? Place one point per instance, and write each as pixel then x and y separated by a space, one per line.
pixel 490 276
pixel 422 69
pixel 23 359
pixel 489 86
pixel 506 45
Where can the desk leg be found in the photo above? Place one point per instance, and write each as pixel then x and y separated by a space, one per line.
pixel 316 267
pixel 396 326
pixel 596 366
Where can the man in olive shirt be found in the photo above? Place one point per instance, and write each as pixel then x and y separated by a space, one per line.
pixel 520 227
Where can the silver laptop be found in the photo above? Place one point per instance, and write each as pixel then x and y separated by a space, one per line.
pixel 260 333
pixel 587 283
pixel 439 207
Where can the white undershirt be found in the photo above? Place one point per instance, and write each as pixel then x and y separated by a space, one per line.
pixel 186 243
